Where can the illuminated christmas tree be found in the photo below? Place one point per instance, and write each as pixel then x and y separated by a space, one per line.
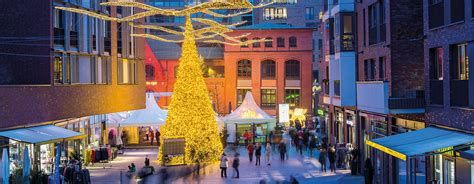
pixel 190 113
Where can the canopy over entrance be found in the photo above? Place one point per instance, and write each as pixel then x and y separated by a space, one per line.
pixel 248 112
pixel 152 115
pixel 419 142
pixel 41 134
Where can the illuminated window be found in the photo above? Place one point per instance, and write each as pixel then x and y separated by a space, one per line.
pixel 244 40
pixel 268 98
pixel 292 97
pixel 127 71
pixel 274 13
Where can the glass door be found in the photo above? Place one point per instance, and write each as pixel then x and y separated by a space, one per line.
pixel 448 172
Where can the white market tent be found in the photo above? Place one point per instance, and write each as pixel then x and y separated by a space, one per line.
pixel 247 112
pixel 152 115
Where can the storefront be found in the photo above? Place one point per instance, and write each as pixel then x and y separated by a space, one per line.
pixel 437 145
pixel 41 141
pixel 351 127
pixel 339 125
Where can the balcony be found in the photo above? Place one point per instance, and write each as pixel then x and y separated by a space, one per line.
pixel 373 96
pixel 460 93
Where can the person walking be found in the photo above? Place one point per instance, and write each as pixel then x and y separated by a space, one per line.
pixel 157 136
pixel 224 165
pixel 368 171
pixel 250 148
pixel 312 145
pixel 147 131
pixel 332 158
pixel 258 153
pixel 268 153
pixel 300 145
pixel 322 159
pixel 152 136
pixel 235 165
pixel 282 150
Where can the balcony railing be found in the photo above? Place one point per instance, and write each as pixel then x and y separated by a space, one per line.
pixel 460 93
pixel 436 92
pixel 406 103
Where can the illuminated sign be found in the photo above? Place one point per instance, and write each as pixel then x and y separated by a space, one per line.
pixel 284 113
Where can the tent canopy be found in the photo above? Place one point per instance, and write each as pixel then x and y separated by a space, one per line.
pixel 419 142
pixel 41 134
pixel 248 112
pixel 152 115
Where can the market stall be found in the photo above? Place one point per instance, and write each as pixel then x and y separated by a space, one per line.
pixel 248 117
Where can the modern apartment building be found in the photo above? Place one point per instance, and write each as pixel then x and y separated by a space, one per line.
pixel 448 49
pixel 61 74
pixel 338 72
pixel 390 96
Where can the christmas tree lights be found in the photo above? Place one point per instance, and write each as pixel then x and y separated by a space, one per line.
pixel 190 112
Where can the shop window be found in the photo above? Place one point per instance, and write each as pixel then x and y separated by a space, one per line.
pixel 256 44
pixel 292 41
pixel 268 98
pixel 448 172
pixel 292 69
pixel 241 95
pixel 292 97
pixel 268 69
pixel 268 42
pixel 280 42
pixel 244 68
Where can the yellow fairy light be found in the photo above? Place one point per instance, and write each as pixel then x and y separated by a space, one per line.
pixel 190 112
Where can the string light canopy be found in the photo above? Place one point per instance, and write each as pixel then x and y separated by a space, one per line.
pixel 190 112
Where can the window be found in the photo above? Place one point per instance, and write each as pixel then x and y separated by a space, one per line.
pixel 268 69
pixel 274 13
pixel 127 71
pixel 61 70
pixel 381 68
pixel 320 44
pixel 347 40
pixel 73 30
pixel 436 63
pixel 108 37
pixel 101 69
pixel 457 10
pixel 337 87
pixel 448 171
pixel 435 13
pixel 364 29
pixel 382 21
pixel 119 37
pixel 94 28
pixel 309 13
pixel 462 63
pixel 369 69
pixel 280 42
pixel 292 41
pixel 150 71
pixel 268 98
pixel 244 45
pixel 256 44
pixel 292 69
pixel 438 167
pixel 241 95
pixel 292 97
pixel 58 27
pixel 244 68
pixel 268 42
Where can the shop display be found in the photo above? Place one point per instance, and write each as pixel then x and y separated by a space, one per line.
pixel 46 159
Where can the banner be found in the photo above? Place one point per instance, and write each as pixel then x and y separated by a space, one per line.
pixel 284 113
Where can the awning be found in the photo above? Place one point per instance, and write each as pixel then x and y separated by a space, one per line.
pixel 420 142
pixel 469 154
pixel 41 134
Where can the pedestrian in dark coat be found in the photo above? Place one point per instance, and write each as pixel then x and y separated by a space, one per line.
pixel 258 153
pixel 368 171
pixel 157 137
pixel 332 158
pixel 282 150
pixel 235 165
pixel 322 159
pixel 312 145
